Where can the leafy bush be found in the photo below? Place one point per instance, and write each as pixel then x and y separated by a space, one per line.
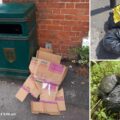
pixel 98 71
pixel 82 54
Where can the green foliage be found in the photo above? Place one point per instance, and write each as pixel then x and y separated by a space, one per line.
pixel 82 54
pixel 98 71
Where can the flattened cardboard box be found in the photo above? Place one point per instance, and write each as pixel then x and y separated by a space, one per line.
pixel 50 72
pixel 29 86
pixel 49 94
pixel 37 107
pixel 45 50
pixel 44 107
pixel 33 65
pixel 61 100
pixel 49 56
pixel 50 107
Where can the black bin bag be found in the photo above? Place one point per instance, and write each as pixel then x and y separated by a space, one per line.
pixel 111 23
pixel 107 85
pixel 112 101
pixel 111 41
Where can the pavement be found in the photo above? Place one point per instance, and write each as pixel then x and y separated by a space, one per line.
pixel 99 15
pixel 76 96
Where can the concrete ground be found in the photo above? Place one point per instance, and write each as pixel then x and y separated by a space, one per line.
pixel 76 97
pixel 99 15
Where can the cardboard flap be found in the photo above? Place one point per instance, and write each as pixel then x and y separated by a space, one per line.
pixel 21 94
pixel 37 107
pixel 50 72
pixel 51 109
pixel 48 94
pixel 33 64
pixel 46 50
pixel 49 56
pixel 61 100
pixel 29 86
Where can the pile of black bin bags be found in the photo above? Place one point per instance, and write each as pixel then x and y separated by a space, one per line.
pixel 111 40
pixel 109 92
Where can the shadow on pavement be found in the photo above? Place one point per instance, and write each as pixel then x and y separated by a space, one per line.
pixel 99 10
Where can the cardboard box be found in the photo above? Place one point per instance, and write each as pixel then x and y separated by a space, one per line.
pixel 46 50
pixel 51 108
pixel 22 94
pixel 61 100
pixel 49 92
pixel 49 56
pixel 29 86
pixel 50 72
pixel 37 107
pixel 46 75
pixel 33 65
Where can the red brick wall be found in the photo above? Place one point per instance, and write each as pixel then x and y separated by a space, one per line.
pixel 62 22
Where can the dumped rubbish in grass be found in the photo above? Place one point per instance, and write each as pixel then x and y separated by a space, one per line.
pixel 109 91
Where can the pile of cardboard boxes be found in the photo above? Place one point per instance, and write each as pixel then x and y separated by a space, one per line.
pixel 46 76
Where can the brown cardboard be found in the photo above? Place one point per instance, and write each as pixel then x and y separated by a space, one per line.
pixel 35 87
pixel 50 72
pixel 21 94
pixel 61 100
pixel 49 56
pixel 29 86
pixel 46 50
pixel 37 107
pixel 46 75
pixel 51 109
pixel 44 107
pixel 49 94
pixel 33 64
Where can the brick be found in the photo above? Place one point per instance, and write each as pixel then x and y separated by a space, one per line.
pixel 59 17
pixel 70 11
pixel 55 11
pixel 46 21
pixel 51 5
pixel 71 0
pixel 54 27
pixel 72 17
pixel 67 28
pixel 70 5
pixel 82 5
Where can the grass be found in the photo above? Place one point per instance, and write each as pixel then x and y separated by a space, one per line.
pixel 98 71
